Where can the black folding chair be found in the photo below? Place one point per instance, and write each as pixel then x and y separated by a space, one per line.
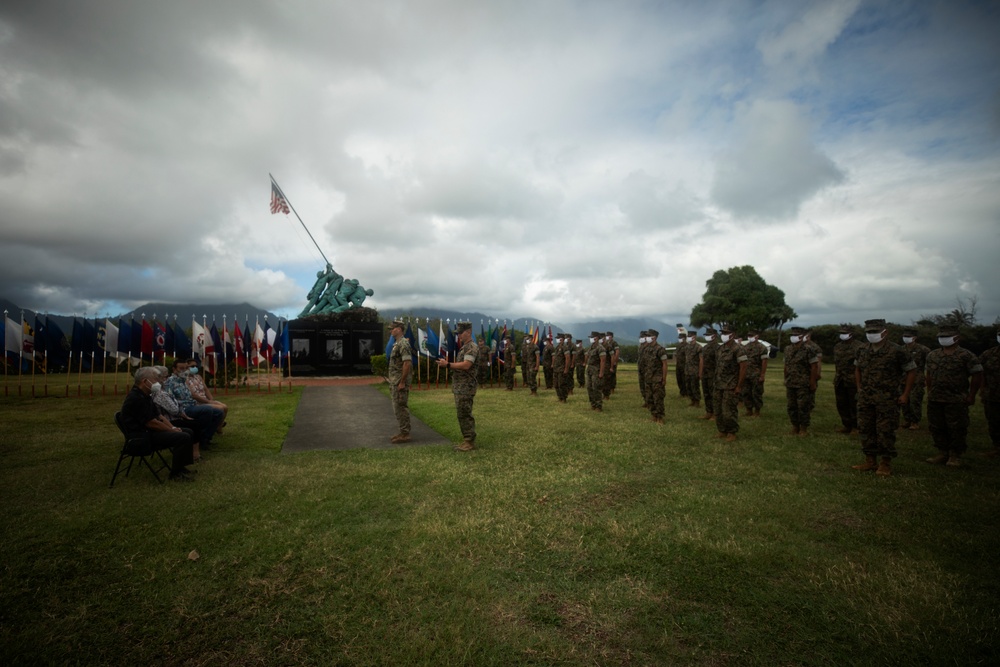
pixel 138 448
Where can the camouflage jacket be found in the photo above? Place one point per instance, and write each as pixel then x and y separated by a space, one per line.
pixel 918 353
pixel 727 365
pixel 756 353
pixel 613 350
pixel 709 355
pixel 401 352
pixel 845 353
pixel 990 361
pixel 680 355
pixel 949 373
pixel 643 358
pixel 594 355
pixel 692 355
pixel 526 350
pixel 656 354
pixel 880 369
pixel 509 356
pixel 579 356
pixel 464 383
pixel 547 356
pixel 799 358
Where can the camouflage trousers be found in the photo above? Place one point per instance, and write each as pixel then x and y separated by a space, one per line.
pixel 877 422
pixel 949 425
pixel 547 372
pixel 595 386
pixel 693 385
pixel 532 380
pixel 559 383
pixel 753 394
pixel 508 377
pixel 568 382
pixel 642 387
pixel 581 376
pixel 655 392
pixel 400 408
pixel 913 411
pixel 466 422
pixel 524 373
pixel 846 395
pixel 681 380
pixel 992 410
pixel 727 411
pixel 708 389
pixel 799 405
pixel 610 382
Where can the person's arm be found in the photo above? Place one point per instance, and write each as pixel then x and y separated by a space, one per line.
pixel 975 382
pixel 763 365
pixel 741 376
pixel 813 375
pixel 911 375
pixel 665 365
pixel 406 374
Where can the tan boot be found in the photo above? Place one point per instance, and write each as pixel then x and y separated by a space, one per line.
pixel 396 437
pixel 465 447
pixel 403 437
pixel 940 459
pixel 954 461
pixel 803 431
pixel 794 431
pixel 867 466
pixel 730 437
pixel 884 467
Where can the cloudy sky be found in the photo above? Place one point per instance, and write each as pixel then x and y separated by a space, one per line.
pixel 563 160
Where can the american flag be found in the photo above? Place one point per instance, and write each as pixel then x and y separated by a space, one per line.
pixel 278 203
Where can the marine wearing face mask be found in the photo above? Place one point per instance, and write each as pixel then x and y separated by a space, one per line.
pixel 954 376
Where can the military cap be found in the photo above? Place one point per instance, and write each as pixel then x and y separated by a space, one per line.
pixel 874 325
pixel 652 332
pixel 798 331
pixel 395 323
pixel 611 334
pixel 948 330
pixel 725 328
pixel 644 332
pixel 709 331
pixel 461 327
pixel 753 332
pixel 596 334
pixel 909 332
pixel 846 329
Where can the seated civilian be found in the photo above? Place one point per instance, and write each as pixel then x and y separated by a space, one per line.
pixel 140 416
pixel 176 386
pixel 202 395
pixel 172 411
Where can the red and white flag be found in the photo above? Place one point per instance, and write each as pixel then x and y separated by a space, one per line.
pixel 278 202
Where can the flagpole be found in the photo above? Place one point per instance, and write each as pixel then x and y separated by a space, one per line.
pixel 225 356
pixel 33 363
pixel 6 389
pixel 289 202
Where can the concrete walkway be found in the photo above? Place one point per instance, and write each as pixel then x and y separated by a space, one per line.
pixel 350 417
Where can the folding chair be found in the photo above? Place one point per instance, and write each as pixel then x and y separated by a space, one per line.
pixel 138 448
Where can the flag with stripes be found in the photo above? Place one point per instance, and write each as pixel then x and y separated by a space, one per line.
pixel 278 203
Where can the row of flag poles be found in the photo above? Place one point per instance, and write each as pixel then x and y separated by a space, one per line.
pixel 43 348
pixel 430 346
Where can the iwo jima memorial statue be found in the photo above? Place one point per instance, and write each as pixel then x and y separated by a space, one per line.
pixel 335 334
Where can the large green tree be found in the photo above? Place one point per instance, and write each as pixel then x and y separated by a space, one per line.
pixel 741 299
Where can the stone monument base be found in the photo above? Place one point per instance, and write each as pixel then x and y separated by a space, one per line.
pixel 337 344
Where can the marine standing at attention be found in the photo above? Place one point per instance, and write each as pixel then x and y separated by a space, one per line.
pixel 954 376
pixel 463 384
pixel 692 364
pixel 730 373
pixel 845 385
pixel 913 411
pixel 801 378
pixel 680 359
pixel 753 384
pixel 597 359
pixel 400 377
pixel 707 371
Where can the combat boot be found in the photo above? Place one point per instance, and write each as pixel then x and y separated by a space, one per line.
pixel 730 437
pixel 695 404
pixel 884 467
pixel 939 459
pixel 868 465
pixel 466 446
pixel 955 460
pixel 396 437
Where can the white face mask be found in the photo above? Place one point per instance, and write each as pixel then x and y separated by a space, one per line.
pixel 593 340
pixel 753 339
pixel 845 336
pixel 725 338
pixel 795 339
pixel 946 341
pixel 908 339
pixel 155 388
pixel 709 338
pixel 692 339
pixel 874 337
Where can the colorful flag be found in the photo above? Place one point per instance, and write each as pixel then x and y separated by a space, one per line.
pixel 213 347
pixel 124 338
pixel 135 352
pixel 278 203
pixel 411 339
pixel 258 342
pixel 27 338
pixel 56 345
pixel 432 347
pixel 267 346
pixel 198 340
pixel 241 353
pixel 147 339
pixel 159 340
pixel 247 339
pixel 182 346
pixel 389 345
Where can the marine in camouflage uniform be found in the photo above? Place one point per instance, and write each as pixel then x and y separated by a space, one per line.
pixel 680 359
pixel 641 367
pixel 801 377
pixel 483 365
pixel 845 385
pixel 954 376
pixel 913 411
pixel 400 377
pixel 534 361
pixel 707 361
pixel 655 371
pixel 692 363
pixel 878 366
pixel 990 361
pixel 580 362
pixel 730 373
pixel 568 369
pixel 611 372
pixel 463 384
pixel 753 383
pixel 525 358
pixel 597 360
pixel 558 367
pixel 509 363
pixel 547 363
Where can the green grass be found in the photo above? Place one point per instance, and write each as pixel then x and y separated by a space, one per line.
pixel 568 537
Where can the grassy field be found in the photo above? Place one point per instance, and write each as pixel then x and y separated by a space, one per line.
pixel 568 538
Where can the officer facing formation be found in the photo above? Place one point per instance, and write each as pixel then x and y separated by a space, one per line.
pixel 597 360
pixel 913 411
pixel 400 377
pixel 509 362
pixel 753 384
pixel 954 376
pixel 611 372
pixel 877 368
pixel 562 367
pixel 641 367
pixel 845 385
pixel 801 378
pixel 547 363
pixel 580 362
pixel 990 361
pixel 730 372
pixel 526 355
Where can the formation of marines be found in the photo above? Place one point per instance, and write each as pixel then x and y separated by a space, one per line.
pixel 879 385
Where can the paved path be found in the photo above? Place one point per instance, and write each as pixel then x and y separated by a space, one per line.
pixel 350 417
